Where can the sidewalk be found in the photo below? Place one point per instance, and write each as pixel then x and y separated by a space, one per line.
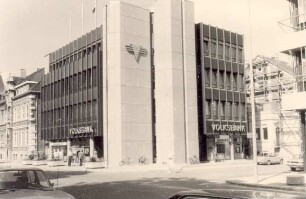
pixel 271 182
pixel 141 168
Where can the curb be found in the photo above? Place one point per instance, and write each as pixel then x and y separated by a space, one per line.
pixel 284 187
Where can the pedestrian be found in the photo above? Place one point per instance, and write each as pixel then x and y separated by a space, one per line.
pixel 69 157
pixel 81 157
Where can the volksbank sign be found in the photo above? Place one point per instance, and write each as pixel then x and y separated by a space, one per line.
pixel 81 130
pixel 226 127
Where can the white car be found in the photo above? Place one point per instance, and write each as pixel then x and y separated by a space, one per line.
pixel 268 159
pixel 297 162
pixel 28 183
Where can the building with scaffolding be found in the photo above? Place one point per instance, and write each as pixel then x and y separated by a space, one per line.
pixel 277 130
pixel 293 43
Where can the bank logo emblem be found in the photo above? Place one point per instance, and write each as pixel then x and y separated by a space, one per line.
pixel 136 50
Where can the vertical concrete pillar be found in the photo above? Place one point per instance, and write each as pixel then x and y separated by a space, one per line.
pixel 68 144
pixel 232 149
pixel 127 78
pixel 175 80
pixel 91 146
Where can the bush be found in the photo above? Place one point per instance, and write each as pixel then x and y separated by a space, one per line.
pixel 92 159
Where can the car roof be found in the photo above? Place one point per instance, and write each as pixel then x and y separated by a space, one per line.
pixel 20 169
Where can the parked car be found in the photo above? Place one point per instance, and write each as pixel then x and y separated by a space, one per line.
pixel 268 159
pixel 234 193
pixel 297 162
pixel 28 183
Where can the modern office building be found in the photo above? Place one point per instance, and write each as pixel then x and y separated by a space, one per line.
pixel 128 89
pixel 221 94
pixel 72 100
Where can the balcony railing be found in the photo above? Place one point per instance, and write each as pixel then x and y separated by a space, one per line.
pixel 293 24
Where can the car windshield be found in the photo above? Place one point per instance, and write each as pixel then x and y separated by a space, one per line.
pixel 23 179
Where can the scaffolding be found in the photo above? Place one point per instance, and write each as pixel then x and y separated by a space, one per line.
pixel 270 83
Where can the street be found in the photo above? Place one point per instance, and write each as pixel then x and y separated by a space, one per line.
pixel 154 184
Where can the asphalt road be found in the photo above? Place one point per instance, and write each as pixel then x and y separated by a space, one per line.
pixel 153 184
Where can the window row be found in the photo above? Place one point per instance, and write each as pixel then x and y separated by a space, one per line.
pixel 224 110
pixel 74 83
pixel 71 114
pixel 21 112
pixel 80 57
pixel 265 133
pixel 20 139
pixel 224 80
pixel 223 51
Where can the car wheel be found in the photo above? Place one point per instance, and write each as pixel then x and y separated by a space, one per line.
pixel 268 162
pixel 292 169
pixel 281 161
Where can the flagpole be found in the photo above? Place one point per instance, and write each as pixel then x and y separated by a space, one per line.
pixel 70 26
pixel 82 17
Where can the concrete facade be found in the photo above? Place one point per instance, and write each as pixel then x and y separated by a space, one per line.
pixel 128 98
pixel 175 72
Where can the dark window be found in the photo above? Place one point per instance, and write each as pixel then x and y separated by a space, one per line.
pixel 220 149
pixel 70 84
pixel 94 77
pixel 206 47
pixel 222 110
pixel 229 110
pixel 214 78
pixel 80 112
pixel 66 114
pixel 265 133
pixel 242 106
pixel 213 48
pixel 241 82
pixel 220 50
pixel 234 51
pixel 208 109
pixel 84 110
pixel 84 80
pixel 75 108
pixel 227 52
pixel 221 79
pixel 89 110
pixel 207 77
pixel 62 87
pixel 215 109
pixel 89 78
pixel 235 81
pixel 94 109
pixel 80 81
pixel 67 85
pixel 228 80
pixel 258 133
pixel 236 111
pixel 240 55
pixel 52 91
pixel 94 57
pixel 70 114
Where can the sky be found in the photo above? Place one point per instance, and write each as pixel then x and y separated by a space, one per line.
pixel 30 29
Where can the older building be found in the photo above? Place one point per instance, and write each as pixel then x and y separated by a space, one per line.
pixel 275 128
pixel 25 135
pixel 3 122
